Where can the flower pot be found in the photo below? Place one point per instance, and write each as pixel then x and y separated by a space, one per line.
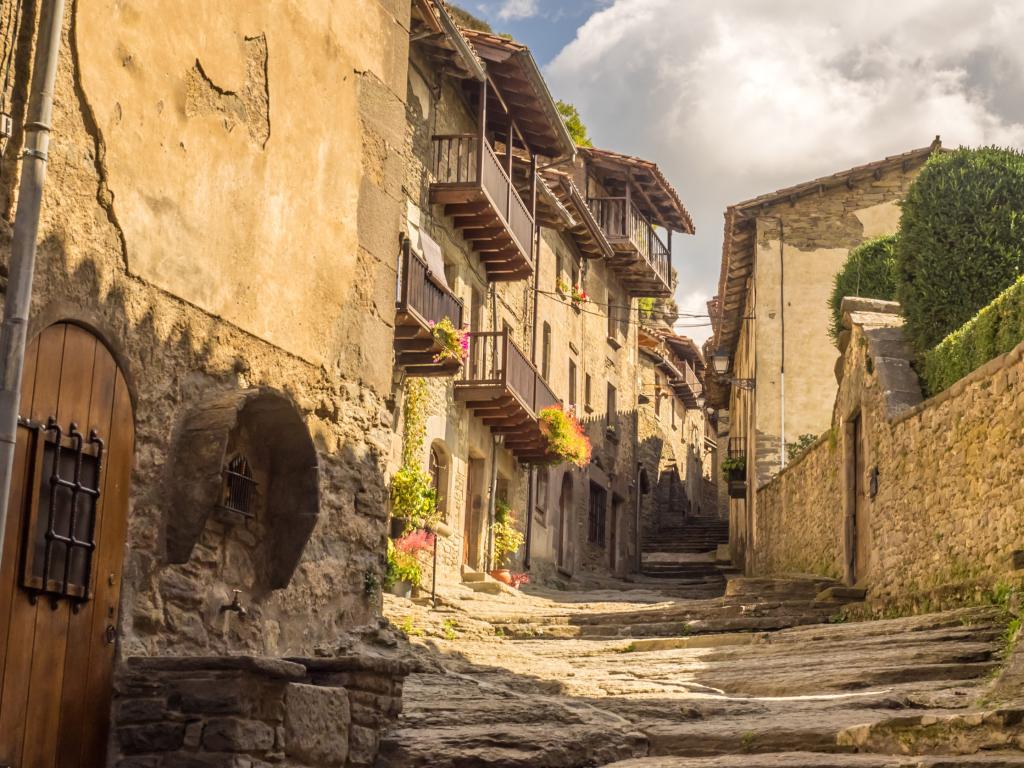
pixel 504 575
pixel 401 589
pixel 737 489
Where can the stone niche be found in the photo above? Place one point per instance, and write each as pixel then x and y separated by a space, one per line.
pixel 244 479
pixel 235 711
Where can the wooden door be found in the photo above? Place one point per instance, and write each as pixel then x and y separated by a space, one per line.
pixel 63 550
pixel 471 519
pixel 565 503
pixel 861 518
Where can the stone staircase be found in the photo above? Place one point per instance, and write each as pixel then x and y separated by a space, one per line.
pixel 685 553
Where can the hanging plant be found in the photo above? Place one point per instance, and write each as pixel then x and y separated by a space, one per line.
pixel 562 286
pixel 734 464
pixel 566 439
pixel 454 342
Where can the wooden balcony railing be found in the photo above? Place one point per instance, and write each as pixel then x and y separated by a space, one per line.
pixel 420 292
pixel 495 360
pixel 462 160
pixel 422 300
pixel 622 221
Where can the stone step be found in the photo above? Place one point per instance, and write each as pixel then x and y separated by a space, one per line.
pixel 828 760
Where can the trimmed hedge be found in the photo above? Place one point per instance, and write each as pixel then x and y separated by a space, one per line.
pixel 961 239
pixel 869 272
pixel 994 331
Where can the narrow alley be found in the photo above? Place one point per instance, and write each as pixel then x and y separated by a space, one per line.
pixel 657 673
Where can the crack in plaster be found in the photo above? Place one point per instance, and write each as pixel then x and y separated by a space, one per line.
pixel 250 106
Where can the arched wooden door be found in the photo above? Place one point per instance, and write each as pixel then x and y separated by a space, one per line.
pixel 63 551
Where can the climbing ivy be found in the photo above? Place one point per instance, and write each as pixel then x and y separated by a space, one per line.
pixel 413 496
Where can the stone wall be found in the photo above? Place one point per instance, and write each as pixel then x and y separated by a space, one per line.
pixel 246 711
pixel 934 501
pixel 204 282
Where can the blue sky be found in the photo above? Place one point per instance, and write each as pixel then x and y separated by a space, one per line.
pixel 735 99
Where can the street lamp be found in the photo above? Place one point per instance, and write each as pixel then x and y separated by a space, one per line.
pixel 720 363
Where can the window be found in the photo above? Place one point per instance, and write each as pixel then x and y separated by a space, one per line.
pixel 572 385
pixel 657 401
pixel 612 319
pixel 439 476
pixel 586 393
pixel 596 514
pixel 545 353
pixel 541 500
pixel 577 273
pixel 562 273
pixel 238 487
pixel 674 413
pixel 612 412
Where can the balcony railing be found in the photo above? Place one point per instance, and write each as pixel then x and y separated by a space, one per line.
pixel 422 301
pixel 623 222
pixel 506 390
pixel 464 163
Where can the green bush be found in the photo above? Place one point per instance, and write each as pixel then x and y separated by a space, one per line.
pixel 869 272
pixel 994 331
pixel 961 239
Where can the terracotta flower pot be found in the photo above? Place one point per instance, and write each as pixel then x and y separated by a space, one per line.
pixel 504 575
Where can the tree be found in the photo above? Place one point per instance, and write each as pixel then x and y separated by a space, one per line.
pixel 869 272
pixel 573 121
pixel 961 239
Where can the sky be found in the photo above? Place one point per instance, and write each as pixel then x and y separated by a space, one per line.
pixel 735 98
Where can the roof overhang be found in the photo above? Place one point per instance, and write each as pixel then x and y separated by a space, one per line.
pixel 436 28
pixel 658 199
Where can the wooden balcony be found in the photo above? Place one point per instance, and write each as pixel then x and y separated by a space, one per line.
pixel 641 259
pixel 423 299
pixel 476 191
pixel 502 387
pixel 687 385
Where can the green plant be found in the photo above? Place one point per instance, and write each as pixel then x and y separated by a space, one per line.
pixel 401 566
pixel 454 342
pixel 409 628
pixel 413 496
pixel 961 240
pixel 506 537
pixel 566 439
pixel 797 448
pixel 994 331
pixel 869 272
pixel 573 123
pixel 734 464
pixel 448 628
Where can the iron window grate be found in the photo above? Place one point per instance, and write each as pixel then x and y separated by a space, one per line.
pixel 239 487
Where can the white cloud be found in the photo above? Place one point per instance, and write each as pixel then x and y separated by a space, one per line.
pixel 517 9
pixel 740 98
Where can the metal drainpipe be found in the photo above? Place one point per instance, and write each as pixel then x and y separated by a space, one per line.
pixel 639 496
pixel 493 490
pixel 18 300
pixel 782 359
pixel 531 478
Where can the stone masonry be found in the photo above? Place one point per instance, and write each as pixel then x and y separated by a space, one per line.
pixel 944 521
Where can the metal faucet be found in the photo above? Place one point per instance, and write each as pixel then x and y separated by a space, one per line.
pixel 236 604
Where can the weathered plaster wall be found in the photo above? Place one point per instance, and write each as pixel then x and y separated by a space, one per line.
pixel 203 284
pixel 948 512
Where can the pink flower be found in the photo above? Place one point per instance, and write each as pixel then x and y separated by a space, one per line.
pixel 415 542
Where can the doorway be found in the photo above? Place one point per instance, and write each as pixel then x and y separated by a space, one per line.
pixel 858 510
pixel 564 543
pixel 473 514
pixel 63 552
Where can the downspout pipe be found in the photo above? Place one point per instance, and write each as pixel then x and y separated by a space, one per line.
pixel 531 480
pixel 18 299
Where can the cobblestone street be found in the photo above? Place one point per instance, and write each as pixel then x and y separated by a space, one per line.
pixel 596 677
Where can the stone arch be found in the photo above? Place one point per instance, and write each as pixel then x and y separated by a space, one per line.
pixel 269 424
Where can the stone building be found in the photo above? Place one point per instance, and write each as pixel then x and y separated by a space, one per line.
pixel 213 306
pixel 676 447
pixel 780 254
pixel 589 228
